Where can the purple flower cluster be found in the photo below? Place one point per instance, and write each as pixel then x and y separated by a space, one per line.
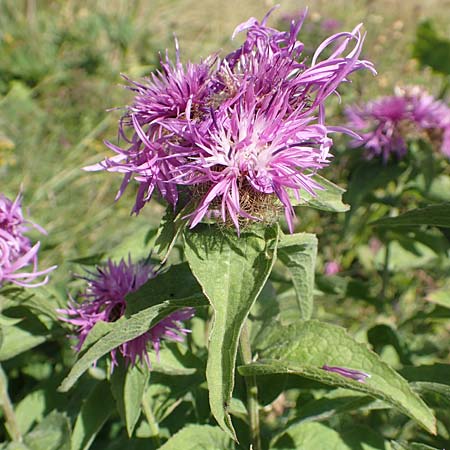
pixel 243 134
pixel 389 122
pixel 105 300
pixel 18 257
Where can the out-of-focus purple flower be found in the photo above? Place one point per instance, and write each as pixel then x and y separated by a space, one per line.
pixel 356 375
pixel 243 134
pixel 332 268
pixel 18 257
pixel 387 124
pixel 105 300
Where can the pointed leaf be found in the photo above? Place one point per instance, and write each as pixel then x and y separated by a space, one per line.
pixel 128 385
pixel 199 437
pixel 328 199
pixel 437 373
pixel 435 395
pixel 298 253
pixel 367 177
pixel 305 347
pixel 53 433
pixel 96 409
pixel 411 446
pixel 440 296
pixel 337 401
pixel 434 215
pixel 172 224
pixel 24 336
pixel 232 271
pixel 320 437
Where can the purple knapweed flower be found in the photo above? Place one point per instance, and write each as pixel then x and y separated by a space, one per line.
pixel 242 135
pixel 18 257
pixel 387 124
pixel 105 300
pixel 332 268
pixel 353 374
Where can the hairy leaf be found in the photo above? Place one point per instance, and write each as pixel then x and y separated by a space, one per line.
pixel 304 348
pixel 199 437
pixel 128 385
pixel 319 437
pixel 328 199
pixel 232 271
pixel 53 433
pixel 298 253
pixel 434 215
pixel 96 409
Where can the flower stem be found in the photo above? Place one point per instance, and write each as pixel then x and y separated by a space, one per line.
pixel 385 280
pixel 252 390
pixel 10 418
pixel 153 424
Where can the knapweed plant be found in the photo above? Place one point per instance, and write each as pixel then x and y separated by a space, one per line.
pixel 209 342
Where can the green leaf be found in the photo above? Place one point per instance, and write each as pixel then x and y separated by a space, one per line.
pixel 435 395
pixel 90 260
pixel 177 283
pixel 305 347
pixel 435 215
pixel 6 321
pixel 320 437
pixel 328 199
pixel 13 446
pixel 232 271
pixel 17 339
pixel 169 229
pixel 31 409
pixel 96 409
pixel 382 335
pixel 410 446
pixel 128 385
pixel 437 373
pixel 298 253
pixel 440 296
pixel 155 300
pixel 367 177
pixel 199 437
pixel 53 433
pixel 335 402
pixel 170 361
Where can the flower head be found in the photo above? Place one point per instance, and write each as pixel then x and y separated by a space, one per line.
pixel 241 135
pixel 387 124
pixel 105 300
pixel 18 257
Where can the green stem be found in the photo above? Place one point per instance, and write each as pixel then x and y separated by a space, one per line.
pixel 252 390
pixel 385 280
pixel 153 424
pixel 11 422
